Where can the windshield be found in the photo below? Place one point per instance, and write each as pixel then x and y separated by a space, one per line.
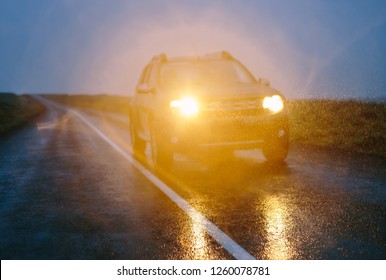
pixel 204 73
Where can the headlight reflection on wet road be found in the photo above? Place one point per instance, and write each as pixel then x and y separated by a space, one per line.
pixel 195 240
pixel 277 228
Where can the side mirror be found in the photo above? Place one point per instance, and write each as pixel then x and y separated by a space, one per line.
pixel 145 88
pixel 263 82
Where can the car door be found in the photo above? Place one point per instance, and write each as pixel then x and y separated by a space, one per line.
pixel 143 103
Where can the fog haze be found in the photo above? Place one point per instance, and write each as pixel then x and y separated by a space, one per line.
pixel 307 49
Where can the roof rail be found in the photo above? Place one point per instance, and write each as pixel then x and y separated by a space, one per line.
pixel 162 57
pixel 217 55
pixel 221 54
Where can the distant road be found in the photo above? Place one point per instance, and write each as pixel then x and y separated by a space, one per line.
pixel 70 189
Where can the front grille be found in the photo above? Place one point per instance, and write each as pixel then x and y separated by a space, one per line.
pixel 238 106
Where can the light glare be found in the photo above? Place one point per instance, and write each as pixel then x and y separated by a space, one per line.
pixel 273 103
pixel 186 106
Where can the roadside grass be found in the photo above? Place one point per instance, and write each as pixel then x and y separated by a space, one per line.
pixel 16 110
pixel 339 125
pixel 101 102
pixel 343 125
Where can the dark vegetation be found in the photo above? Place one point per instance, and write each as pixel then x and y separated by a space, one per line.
pixel 340 125
pixel 101 102
pixel 16 110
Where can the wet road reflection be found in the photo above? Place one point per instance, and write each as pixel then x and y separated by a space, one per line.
pixel 55 122
pixel 281 212
pixel 277 227
pixel 194 238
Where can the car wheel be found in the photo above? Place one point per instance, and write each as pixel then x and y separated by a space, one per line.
pixel 161 154
pixel 138 144
pixel 276 150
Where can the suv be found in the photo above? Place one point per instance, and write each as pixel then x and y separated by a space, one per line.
pixel 205 103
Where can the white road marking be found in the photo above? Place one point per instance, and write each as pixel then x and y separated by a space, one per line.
pixel 224 240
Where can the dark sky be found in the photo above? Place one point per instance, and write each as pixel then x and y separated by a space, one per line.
pixel 306 48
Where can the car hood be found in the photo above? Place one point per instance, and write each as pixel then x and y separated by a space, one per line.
pixel 228 91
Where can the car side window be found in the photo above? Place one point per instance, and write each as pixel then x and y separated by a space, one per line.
pixel 152 76
pixel 145 75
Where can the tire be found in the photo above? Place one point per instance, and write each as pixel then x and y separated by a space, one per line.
pixel 161 153
pixel 276 150
pixel 138 145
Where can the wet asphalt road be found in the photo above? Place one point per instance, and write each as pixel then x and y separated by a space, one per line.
pixel 66 193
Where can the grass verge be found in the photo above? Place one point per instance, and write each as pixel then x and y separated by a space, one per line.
pixel 101 102
pixel 347 125
pixel 16 110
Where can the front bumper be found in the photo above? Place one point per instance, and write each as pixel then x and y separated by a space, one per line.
pixel 234 132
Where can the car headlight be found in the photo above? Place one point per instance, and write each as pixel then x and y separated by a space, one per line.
pixel 186 106
pixel 273 103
